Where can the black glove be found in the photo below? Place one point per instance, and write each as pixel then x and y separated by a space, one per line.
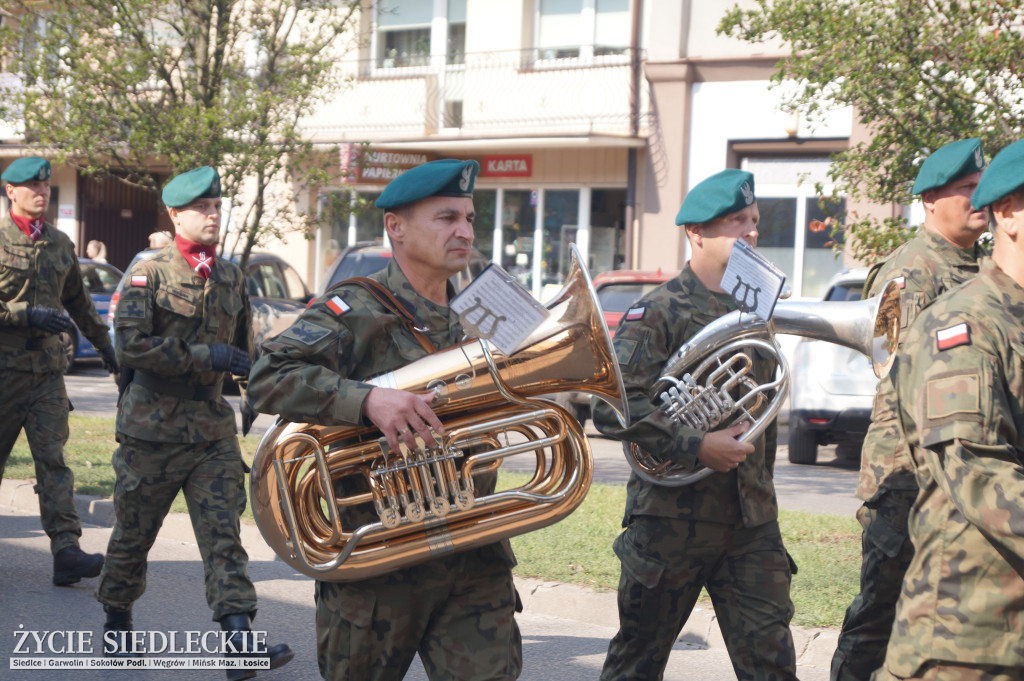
pixel 47 318
pixel 248 416
pixel 109 359
pixel 226 357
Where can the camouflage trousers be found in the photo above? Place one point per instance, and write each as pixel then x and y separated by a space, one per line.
pixel 149 476
pixel 886 555
pixel 39 404
pixel 941 671
pixel 457 612
pixel 666 562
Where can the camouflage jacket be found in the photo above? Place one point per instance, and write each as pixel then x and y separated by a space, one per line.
pixel 647 336
pixel 166 321
pixel 316 370
pixel 923 268
pixel 43 272
pixel 960 380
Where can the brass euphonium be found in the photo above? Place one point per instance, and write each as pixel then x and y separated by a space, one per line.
pixel 708 380
pixel 425 498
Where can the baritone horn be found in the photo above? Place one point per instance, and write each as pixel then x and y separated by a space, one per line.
pixel 709 379
pixel 424 500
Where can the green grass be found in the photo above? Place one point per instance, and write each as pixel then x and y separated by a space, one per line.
pixel 576 550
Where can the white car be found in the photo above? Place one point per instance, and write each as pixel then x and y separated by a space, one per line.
pixel 832 388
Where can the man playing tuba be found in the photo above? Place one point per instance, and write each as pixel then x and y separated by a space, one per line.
pixel 722 532
pixel 457 612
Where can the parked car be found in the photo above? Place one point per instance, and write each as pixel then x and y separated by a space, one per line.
pixel 832 388
pixel 101 280
pixel 366 257
pixel 616 290
pixel 276 292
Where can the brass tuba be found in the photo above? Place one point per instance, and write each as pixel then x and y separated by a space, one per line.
pixel 708 379
pixel 424 499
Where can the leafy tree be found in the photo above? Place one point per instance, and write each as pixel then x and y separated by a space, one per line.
pixel 919 74
pixel 124 86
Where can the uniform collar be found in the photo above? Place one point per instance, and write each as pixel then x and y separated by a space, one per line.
pixel 951 252
pixel 428 314
pixel 716 304
pixel 1004 286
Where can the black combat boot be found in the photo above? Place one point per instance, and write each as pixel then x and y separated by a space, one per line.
pixel 117 634
pixel 240 624
pixel 71 564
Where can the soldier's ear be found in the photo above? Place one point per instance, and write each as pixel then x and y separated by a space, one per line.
pixel 394 225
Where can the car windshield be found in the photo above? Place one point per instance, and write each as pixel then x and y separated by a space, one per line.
pixel 843 292
pixel 358 265
pixel 100 278
pixel 618 297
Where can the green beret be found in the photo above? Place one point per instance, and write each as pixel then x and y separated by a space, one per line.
pixel 951 162
pixel 201 183
pixel 447 177
pixel 1004 175
pixel 27 169
pixel 722 193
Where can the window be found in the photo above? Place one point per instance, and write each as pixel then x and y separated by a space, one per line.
pixel 408 33
pixel 791 233
pixel 569 29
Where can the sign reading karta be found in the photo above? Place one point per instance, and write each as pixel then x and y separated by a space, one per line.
pixel 507 166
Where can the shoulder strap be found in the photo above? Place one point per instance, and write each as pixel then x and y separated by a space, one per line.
pixel 388 300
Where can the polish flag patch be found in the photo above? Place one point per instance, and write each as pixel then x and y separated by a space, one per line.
pixel 338 306
pixel 635 314
pixel 953 336
pixel 139 280
pixel 901 282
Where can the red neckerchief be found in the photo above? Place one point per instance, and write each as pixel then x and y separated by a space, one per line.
pixel 199 257
pixel 33 227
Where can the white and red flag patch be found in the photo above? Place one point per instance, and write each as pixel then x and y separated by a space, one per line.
pixel 635 314
pixel 338 306
pixel 901 282
pixel 139 280
pixel 953 336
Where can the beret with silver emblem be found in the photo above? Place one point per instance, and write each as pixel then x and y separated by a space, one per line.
pixel 27 169
pixel 723 193
pixel 447 177
pixel 183 189
pixel 1004 175
pixel 948 163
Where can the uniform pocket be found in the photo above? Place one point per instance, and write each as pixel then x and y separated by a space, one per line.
pixel 643 568
pixel 15 258
pixel 179 301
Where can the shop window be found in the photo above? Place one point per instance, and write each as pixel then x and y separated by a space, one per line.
pixel 405 37
pixel 581 29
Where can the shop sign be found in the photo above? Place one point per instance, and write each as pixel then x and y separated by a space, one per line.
pixel 365 165
pixel 520 165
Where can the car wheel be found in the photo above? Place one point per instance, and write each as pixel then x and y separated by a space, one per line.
pixel 803 446
pixel 69 345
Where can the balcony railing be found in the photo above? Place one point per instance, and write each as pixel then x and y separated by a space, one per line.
pixel 516 93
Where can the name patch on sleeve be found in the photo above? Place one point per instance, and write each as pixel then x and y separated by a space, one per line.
pixel 953 336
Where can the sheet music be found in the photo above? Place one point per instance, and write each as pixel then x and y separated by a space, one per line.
pixel 497 308
pixel 754 281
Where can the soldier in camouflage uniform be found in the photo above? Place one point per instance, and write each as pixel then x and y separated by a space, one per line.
pixel 39 275
pixel 942 255
pixel 720 533
pixel 960 385
pixel 457 612
pixel 182 321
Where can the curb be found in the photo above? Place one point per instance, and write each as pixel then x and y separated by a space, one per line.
pixel 814 646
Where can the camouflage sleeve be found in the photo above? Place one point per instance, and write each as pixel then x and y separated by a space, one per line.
pixel 642 348
pixel 243 328
pixel 966 431
pixel 302 374
pixel 76 300
pixel 138 346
